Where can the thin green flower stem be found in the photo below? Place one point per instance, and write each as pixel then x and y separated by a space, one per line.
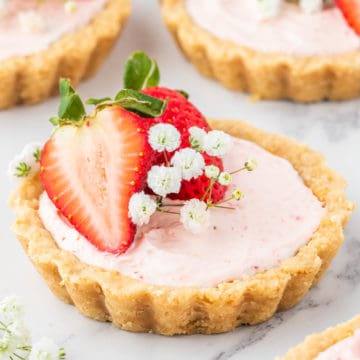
pixel 237 171
pixel 224 207
pixel 172 205
pixel 24 348
pixel 224 201
pixel 19 357
pixel 3 324
pixel 159 201
pixel 208 189
pixel 167 162
pixel 4 327
pixel 168 212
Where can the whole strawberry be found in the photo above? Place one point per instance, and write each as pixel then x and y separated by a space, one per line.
pixel 179 112
pixel 141 73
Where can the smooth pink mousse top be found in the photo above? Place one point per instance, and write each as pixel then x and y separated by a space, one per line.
pixel 292 32
pixel 27 26
pixel 277 216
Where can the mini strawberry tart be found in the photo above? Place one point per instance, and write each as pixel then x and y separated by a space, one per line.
pixel 147 215
pixel 305 50
pixel 339 343
pixel 41 41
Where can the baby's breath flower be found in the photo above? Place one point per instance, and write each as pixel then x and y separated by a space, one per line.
pixel 197 137
pixel 310 6
pixel 8 345
pixel 70 6
pixel 217 143
pixel 212 171
pixel 10 308
pixel 13 336
pixel 45 349
pixel 26 163
pixel 225 178
pixel 237 194
pixel 141 207
pixel 250 165
pixel 195 216
pixel 164 137
pixel 269 8
pixel 20 332
pixel 190 162
pixel 164 180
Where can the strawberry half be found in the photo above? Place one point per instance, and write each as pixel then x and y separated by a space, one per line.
pixel 183 115
pixel 90 170
pixel 351 11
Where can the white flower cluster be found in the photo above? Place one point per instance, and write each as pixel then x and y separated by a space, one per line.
pixel 270 8
pixel 27 163
pixel 195 215
pixel 15 337
pixel 185 164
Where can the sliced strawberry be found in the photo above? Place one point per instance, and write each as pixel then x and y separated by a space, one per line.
pixel 91 171
pixel 351 11
pixel 183 115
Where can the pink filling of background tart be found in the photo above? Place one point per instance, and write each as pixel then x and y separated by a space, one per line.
pixel 278 215
pixel 54 22
pixel 346 349
pixel 292 32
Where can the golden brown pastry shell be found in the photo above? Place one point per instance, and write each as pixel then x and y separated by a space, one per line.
pixel 76 55
pixel 317 343
pixel 138 306
pixel 264 75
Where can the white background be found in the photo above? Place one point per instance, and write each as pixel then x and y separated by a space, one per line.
pixel 332 128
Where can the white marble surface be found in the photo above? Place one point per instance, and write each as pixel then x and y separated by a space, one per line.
pixel 332 128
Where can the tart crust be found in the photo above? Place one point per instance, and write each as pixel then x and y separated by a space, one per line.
pixel 138 306
pixel 264 75
pixel 317 343
pixel 76 55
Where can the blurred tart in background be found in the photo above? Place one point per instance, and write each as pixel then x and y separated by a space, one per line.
pixel 41 41
pixel 301 50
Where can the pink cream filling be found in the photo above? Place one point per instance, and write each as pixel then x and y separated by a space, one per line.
pixel 292 32
pixel 277 216
pixel 16 41
pixel 347 349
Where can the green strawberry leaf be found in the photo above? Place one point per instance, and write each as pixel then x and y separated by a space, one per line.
pixel 183 93
pixel 93 101
pixel 71 108
pixel 140 72
pixel 143 105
